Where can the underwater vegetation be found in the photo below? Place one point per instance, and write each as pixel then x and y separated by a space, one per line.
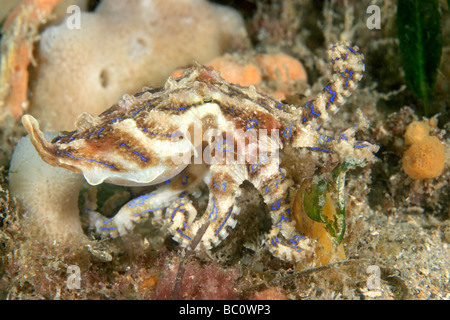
pixel 390 213
pixel 420 36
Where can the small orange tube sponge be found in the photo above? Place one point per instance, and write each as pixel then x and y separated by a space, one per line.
pixel 425 158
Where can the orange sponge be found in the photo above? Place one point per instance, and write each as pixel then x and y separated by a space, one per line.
pixel 281 67
pixel 416 131
pixel 425 158
pixel 233 72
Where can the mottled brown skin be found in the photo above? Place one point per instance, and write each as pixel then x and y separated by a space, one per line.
pixel 136 141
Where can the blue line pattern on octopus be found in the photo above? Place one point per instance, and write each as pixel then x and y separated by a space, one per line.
pixel 151 139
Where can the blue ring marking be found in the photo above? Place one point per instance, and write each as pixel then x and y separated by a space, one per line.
pixel 282 219
pixel 309 104
pixel 180 108
pixel 170 135
pixel 213 212
pixel 276 184
pixel 116 119
pixel 267 189
pixel 363 146
pixel 351 49
pixel 137 112
pixel 254 125
pixel 140 200
pixel 328 89
pixel 224 221
pixel 107 229
pixel 135 152
pixel 280 105
pixel 175 210
pixel 262 159
pixel 182 195
pixel 320 138
pixel 281 172
pixel 219 146
pixel 185 180
pixel 295 240
pixel 276 205
pixel 342 136
pixel 223 184
pixel 350 73
pixel 183 235
pixel 323 138
pixel 319 149
pixel 273 243
pixel 167 181
pixel 140 155
pixel 286 130
pixel 96 133
pixel 90 160
pixel 145 130
pixel 149 210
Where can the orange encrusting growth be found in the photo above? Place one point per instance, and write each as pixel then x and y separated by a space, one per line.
pixel 233 72
pixel 280 69
pixel 19 29
pixel 425 158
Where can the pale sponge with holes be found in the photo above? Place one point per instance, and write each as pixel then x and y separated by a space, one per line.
pixel 121 47
pixel 49 195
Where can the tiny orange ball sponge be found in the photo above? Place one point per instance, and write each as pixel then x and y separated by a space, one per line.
pixel 416 131
pixel 425 159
